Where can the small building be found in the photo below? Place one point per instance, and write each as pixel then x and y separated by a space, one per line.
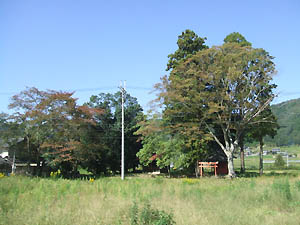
pixel 275 151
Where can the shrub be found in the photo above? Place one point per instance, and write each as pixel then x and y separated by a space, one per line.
pixel 149 216
pixel 279 162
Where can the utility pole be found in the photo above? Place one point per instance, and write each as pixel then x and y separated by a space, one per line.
pixel 122 87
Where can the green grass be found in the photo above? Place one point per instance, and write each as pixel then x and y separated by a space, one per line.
pixel 262 200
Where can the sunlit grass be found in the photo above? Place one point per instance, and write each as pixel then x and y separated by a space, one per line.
pixel 262 200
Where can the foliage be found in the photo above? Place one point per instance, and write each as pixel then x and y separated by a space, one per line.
pixel 279 162
pixel 55 175
pixel 219 89
pixel 51 128
pixel 148 215
pixel 188 44
pixel 107 131
pixel 11 134
pixel 236 37
pixel 52 122
pixel 167 147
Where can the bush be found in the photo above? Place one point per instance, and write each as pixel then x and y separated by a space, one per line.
pixel 279 162
pixel 149 216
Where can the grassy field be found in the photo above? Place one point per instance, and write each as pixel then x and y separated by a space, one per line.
pixel 261 200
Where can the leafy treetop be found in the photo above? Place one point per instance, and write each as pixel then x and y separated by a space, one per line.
pixel 188 44
pixel 236 37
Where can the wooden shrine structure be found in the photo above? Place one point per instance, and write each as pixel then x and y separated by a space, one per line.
pixel 208 165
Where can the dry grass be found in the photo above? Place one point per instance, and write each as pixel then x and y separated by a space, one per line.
pixel 263 200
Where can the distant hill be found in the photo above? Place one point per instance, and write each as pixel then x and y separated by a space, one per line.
pixel 288 116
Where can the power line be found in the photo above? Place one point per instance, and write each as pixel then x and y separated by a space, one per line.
pixel 91 89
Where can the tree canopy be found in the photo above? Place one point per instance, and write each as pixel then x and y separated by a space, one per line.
pixel 236 37
pixel 188 44
pixel 51 122
pixel 223 88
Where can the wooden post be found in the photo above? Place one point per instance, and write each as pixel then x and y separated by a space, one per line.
pixel 201 172
pixel 215 169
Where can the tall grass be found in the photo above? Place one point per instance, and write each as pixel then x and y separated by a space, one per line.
pixel 263 200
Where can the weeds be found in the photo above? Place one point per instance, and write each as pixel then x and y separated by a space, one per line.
pixel 297 185
pixel 266 199
pixel 149 216
pixel 283 187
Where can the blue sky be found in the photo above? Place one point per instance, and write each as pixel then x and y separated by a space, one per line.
pixel 91 45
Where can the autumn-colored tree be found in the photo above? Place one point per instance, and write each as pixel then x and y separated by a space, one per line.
pixel 236 37
pixel 52 122
pixel 222 89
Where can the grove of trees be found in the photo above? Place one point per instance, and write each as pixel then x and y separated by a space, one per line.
pixel 211 101
pixel 211 94
pixel 50 128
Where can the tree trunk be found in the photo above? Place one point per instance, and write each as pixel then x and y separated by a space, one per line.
pixel 197 169
pixel 29 156
pixel 261 144
pixel 38 163
pixel 231 172
pixel 13 167
pixel 242 156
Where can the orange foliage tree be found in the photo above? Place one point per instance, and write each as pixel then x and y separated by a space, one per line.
pixel 53 122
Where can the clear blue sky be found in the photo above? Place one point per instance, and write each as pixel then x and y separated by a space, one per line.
pixel 90 45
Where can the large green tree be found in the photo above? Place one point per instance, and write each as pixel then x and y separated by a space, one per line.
pixel 108 131
pixel 188 44
pixel 238 38
pixel 180 148
pixel 222 89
